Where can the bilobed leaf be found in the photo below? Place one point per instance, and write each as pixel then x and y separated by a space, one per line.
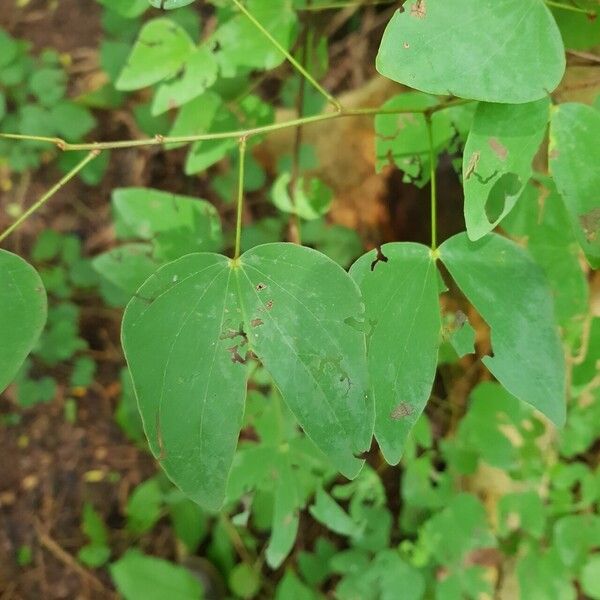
pixel 512 295
pixel 192 327
pixel 497 161
pixel 474 49
pixel 160 51
pixel 574 159
pixel 23 310
pixel 399 287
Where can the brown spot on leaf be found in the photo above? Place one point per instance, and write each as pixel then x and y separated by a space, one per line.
pixel 231 334
pixel 236 357
pixel 260 287
pixel 590 223
pixel 419 9
pixel 257 322
pixel 269 304
pixel 498 148
pixel 406 45
pixel 401 411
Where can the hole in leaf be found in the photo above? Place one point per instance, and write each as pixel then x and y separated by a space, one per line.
pixel 508 185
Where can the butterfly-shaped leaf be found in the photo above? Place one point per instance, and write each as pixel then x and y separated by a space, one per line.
pixel 195 325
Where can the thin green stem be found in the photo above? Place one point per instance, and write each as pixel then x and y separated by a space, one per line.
pixel 433 183
pixel 161 140
pixel 240 198
pixel 569 7
pixel 289 57
pixel 49 194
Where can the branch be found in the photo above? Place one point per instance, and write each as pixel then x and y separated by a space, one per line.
pixel 161 140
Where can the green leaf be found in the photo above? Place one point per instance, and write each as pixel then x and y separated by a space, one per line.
pixel 144 506
pixel 590 577
pixel 72 121
pixel 242 46
pixel 127 266
pixel 457 529
pixel 574 157
pixel 400 290
pixel 23 311
pixel 312 198
pixel 551 241
pixel 286 515
pixel 474 50
pixel 200 72
pixel 402 139
pixel 575 536
pixel 160 52
pixel 328 512
pixel 170 4
pixel 244 581
pixel 497 160
pixel 128 9
pixel 48 85
pixel 512 295
pixel 176 225
pixel 192 327
pixel 579 31
pixel 137 576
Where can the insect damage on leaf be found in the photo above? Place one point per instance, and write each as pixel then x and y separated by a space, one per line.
pixel 380 257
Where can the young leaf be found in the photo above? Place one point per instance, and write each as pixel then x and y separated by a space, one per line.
pixel 177 225
pixel 574 159
pixel 138 576
pixel 192 327
pixel 200 72
pixel 402 139
pixel 399 287
pixel 285 517
pixel 242 46
pixel 23 310
pixel 497 160
pixel 474 49
pixel 512 295
pixel 160 52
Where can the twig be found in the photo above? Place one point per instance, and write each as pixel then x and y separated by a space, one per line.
pixel 58 552
pixel 161 140
pixel 49 194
